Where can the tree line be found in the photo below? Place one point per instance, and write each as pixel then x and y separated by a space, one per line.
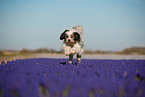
pixel 131 50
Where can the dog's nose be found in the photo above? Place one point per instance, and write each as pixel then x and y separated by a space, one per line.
pixel 69 40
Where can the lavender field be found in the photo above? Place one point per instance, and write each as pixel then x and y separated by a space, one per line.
pixel 51 77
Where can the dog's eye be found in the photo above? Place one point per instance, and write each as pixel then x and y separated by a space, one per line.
pixel 66 36
pixel 72 36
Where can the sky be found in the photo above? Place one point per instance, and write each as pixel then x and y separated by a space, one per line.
pixel 108 24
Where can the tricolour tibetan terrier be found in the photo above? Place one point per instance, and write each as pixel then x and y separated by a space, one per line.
pixel 73 42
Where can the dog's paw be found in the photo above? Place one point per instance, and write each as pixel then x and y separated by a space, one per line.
pixel 70 62
pixel 79 60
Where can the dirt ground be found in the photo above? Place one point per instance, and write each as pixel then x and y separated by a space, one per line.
pixel 96 56
pixel 85 56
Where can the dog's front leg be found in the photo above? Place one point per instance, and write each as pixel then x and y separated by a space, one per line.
pixel 70 58
pixel 78 58
pixel 72 51
pixel 67 51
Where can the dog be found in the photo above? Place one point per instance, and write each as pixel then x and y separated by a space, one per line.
pixel 73 42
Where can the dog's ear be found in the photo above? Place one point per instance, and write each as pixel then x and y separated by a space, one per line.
pixel 62 36
pixel 76 36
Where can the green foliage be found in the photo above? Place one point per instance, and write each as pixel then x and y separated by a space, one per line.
pixel 1 52
pixel 40 50
pixel 138 50
pixel 24 51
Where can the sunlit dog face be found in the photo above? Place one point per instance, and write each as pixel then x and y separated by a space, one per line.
pixel 70 37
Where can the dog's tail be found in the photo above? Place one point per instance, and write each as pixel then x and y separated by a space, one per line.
pixel 79 28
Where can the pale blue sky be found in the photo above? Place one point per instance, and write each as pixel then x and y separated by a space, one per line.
pixel 108 24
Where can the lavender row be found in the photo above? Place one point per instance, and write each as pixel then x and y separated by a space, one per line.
pixel 43 77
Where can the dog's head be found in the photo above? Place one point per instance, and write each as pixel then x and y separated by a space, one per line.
pixel 70 36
